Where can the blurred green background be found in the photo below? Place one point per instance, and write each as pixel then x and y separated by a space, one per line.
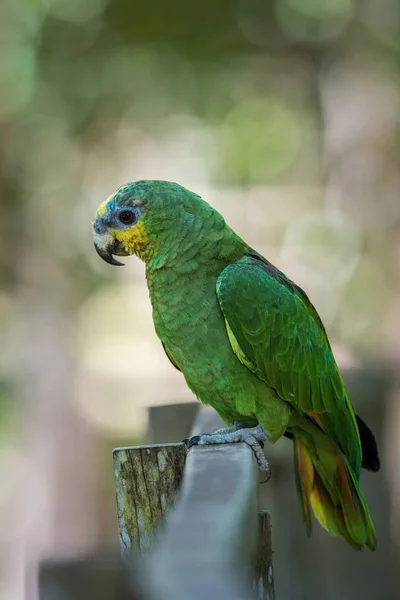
pixel 284 115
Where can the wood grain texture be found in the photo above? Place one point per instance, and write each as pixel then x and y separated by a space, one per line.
pixel 147 479
pixel 263 583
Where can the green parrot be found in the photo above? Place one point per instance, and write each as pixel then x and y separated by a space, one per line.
pixel 248 342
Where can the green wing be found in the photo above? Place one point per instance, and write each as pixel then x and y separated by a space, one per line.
pixel 276 333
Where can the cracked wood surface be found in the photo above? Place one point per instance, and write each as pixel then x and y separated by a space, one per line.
pixel 147 479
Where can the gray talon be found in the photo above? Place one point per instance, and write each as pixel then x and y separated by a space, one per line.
pixel 253 436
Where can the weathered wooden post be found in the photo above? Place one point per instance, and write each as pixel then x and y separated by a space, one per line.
pixel 263 583
pixel 210 541
pixel 147 479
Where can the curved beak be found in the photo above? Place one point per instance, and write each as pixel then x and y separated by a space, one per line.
pixel 107 256
pixel 106 245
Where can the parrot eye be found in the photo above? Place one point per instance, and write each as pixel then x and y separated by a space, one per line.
pixel 127 217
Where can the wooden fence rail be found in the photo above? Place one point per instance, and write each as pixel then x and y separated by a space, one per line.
pixel 205 548
pixel 208 545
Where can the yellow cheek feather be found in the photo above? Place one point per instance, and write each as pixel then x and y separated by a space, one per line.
pixel 134 238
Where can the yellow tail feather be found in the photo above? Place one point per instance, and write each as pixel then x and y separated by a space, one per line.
pixel 331 489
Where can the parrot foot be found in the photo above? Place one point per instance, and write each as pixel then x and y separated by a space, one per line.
pixel 194 440
pixel 253 436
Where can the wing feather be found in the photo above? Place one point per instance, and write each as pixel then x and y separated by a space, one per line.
pixel 276 332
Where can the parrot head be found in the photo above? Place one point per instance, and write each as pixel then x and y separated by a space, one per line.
pixel 131 220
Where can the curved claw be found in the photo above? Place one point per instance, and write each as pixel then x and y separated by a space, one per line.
pixel 191 441
pixel 267 477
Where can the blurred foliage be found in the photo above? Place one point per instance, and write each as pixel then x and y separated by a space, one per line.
pixel 283 114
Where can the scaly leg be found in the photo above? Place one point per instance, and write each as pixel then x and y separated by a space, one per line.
pixel 253 436
pixel 192 441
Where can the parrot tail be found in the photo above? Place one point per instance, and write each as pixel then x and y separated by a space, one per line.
pixel 328 485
